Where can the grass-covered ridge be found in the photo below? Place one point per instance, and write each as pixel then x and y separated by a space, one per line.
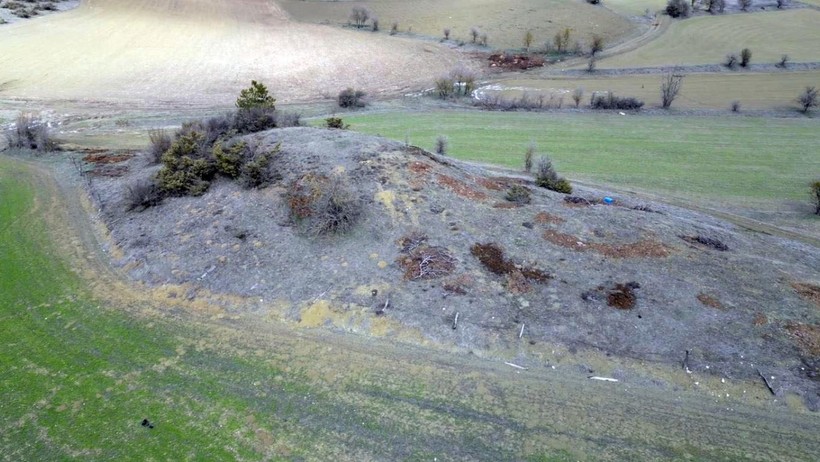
pixel 735 158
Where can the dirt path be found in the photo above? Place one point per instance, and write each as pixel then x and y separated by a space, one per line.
pixel 504 412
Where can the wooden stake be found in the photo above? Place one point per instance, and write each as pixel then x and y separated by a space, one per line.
pixel 766 381
pixel 521 334
pixel 455 321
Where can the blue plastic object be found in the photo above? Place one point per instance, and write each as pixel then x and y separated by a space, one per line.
pixel 608 200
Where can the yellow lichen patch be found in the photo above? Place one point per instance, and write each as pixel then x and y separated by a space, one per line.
pixel 381 326
pixel 374 256
pixel 317 314
pixel 387 199
pixel 382 264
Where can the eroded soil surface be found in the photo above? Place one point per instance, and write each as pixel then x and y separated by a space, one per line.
pixel 645 281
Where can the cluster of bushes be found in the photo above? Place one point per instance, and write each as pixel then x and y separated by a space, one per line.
pixel 28 8
pixel 191 163
pixel 610 101
pixel 351 98
pixel 202 150
pixel 460 82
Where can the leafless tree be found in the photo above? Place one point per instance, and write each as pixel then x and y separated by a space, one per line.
pixel 596 45
pixel 577 95
pixel 359 16
pixel 671 83
pixel 446 33
pixel 528 40
pixel 808 99
pixel 744 4
pixel 474 33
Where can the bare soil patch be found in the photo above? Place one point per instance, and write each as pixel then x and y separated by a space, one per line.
pixel 809 291
pixel 644 248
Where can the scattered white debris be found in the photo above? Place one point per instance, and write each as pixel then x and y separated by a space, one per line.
pixel 516 366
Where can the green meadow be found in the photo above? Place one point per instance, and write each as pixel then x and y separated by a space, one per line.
pixel 734 158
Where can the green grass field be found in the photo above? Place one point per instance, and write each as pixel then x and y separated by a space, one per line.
pixel 757 91
pixel 78 379
pixel 708 39
pixel 738 159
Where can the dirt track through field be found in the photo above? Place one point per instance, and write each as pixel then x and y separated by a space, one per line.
pixel 497 405
pixel 200 53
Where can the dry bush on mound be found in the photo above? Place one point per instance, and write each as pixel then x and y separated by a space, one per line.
pixel 141 194
pixel 323 205
pixel 351 98
pixel 427 262
pixel 159 142
pixel 31 133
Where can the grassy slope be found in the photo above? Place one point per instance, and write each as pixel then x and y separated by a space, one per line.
pixel 708 39
pixel 504 21
pixel 736 158
pixel 699 91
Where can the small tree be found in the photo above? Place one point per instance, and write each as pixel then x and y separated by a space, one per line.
pixel 815 196
pixel 255 96
pixel 784 61
pixel 375 24
pixel 446 33
pixel 528 156
pixel 561 40
pixel 484 39
pixel 577 95
pixel 474 33
pixel 807 99
pixel 394 28
pixel 596 44
pixel 528 38
pixel 670 87
pixel 744 4
pixel 678 8
pixel 441 145
pixel 591 64
pixel 444 87
pixel 731 61
pixel 782 4
pixel 745 57
pixel 735 106
pixel 359 16
pixel 715 6
pixel 350 98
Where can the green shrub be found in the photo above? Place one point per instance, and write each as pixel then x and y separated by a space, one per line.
pixel 336 122
pixel 184 169
pixel 229 159
pixel 815 195
pixel 256 170
pixel 518 194
pixel 547 177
